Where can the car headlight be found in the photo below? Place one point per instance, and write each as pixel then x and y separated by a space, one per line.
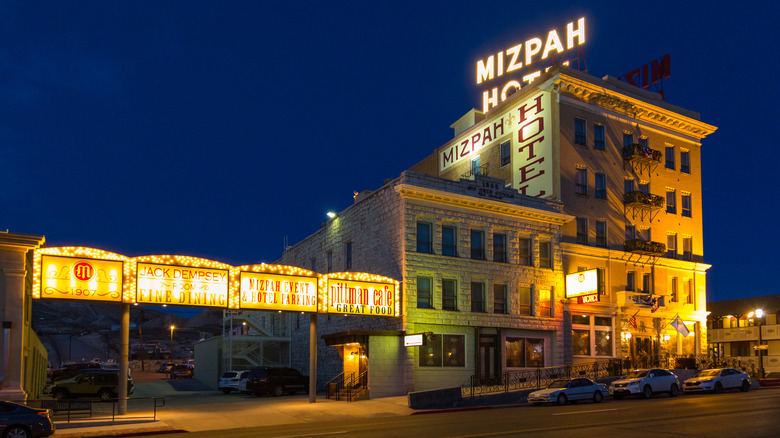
pixel 706 381
pixel 633 384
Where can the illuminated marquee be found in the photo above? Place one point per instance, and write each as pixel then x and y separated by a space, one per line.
pixel 181 285
pixel 582 283
pixel 520 57
pixel 83 279
pixel 360 294
pixel 283 290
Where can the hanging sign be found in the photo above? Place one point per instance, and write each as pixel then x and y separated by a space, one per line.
pixel 80 279
pixel 181 285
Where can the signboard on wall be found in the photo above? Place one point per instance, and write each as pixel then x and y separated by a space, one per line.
pixel 181 285
pixel 82 279
pixel 582 283
pixel 532 148
pixel 361 297
pixel 265 291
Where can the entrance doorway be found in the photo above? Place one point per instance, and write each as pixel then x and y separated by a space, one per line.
pixel 642 348
pixel 489 363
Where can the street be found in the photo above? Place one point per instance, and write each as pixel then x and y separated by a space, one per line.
pixel 754 414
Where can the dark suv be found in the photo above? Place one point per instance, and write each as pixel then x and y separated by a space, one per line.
pixel 89 383
pixel 275 381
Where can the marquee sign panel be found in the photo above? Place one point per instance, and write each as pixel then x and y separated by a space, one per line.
pixel 82 279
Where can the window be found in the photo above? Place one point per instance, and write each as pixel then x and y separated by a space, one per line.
pixel 313 265
pixel 643 142
pixel 348 255
pixel 592 335
pixel 646 283
pixel 499 248
pixel 330 261
pixel 687 247
pixel 424 292
pixel 630 280
pixel 582 230
pixel 689 292
pixel 580 132
pixel 524 251
pixel 477 245
pixel 424 238
pixel 545 254
pixel 449 294
pixel 644 234
pixel 449 244
pixel 477 296
pixel 630 232
pixel 685 207
pixel 581 181
pixel 443 351
pixel 475 166
pixel 628 139
pixel 524 352
pixel 601 233
pixel 598 137
pixel 671 245
pixel 669 154
pixel 580 342
pixel 673 290
pixel 505 153
pixel 524 300
pixel 545 303
pixel 685 162
pixel 499 298
pixel 671 197
pixel 601 185
pixel 644 187
pixel 628 185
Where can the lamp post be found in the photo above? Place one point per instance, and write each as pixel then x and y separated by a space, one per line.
pixel 172 327
pixel 759 313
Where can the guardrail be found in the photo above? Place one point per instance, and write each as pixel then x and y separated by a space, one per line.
pixel 89 408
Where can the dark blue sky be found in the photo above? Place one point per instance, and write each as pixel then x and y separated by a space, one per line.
pixel 214 130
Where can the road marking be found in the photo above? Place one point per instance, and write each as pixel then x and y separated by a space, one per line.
pixel 584 412
pixel 314 434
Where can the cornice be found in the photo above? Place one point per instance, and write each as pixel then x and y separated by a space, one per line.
pixel 631 107
pixel 483 205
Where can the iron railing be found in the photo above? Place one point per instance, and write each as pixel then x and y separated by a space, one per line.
pixel 346 386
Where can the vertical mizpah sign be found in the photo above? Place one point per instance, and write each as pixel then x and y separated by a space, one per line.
pixel 520 64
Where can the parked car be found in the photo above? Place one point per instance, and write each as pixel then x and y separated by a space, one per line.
pixel 165 367
pixel 190 363
pixel 18 420
pixel 181 371
pixel 69 370
pixel 228 382
pixel 645 383
pixel 718 379
pixel 242 382
pixel 275 381
pixel 564 390
pixel 89 383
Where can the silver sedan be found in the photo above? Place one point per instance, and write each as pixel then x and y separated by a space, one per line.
pixel 718 379
pixel 564 390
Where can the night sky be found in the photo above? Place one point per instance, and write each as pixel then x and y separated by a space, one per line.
pixel 220 130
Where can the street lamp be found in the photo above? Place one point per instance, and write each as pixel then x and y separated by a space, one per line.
pixel 172 327
pixel 759 313
pixel 243 327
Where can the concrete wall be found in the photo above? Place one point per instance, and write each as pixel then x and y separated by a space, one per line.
pixel 208 361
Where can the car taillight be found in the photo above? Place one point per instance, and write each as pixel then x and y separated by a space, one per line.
pixel 45 414
pixel 265 380
pixel 234 380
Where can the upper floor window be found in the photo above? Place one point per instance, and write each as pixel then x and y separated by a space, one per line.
pixel 545 254
pixel 424 292
pixel 685 207
pixel 673 292
pixel 628 185
pixel 477 245
pixel 671 199
pixel 580 132
pixel 689 296
pixel 524 300
pixel 669 154
pixel 643 142
pixel 348 255
pixel 545 303
pixel 500 298
pixel 475 166
pixel 643 233
pixel 687 247
pixel 424 237
pixel 449 294
pixel 685 162
pixel 630 280
pixel 630 232
pixel 646 283
pixel 330 261
pixel 505 153
pixel 644 187
pixel 671 245
pixel 477 296
pixel 582 230
pixel 313 264
pixel 499 248
pixel 598 137
pixel 449 243
pixel 601 233
pixel 581 181
pixel 628 139
pixel 601 185
pixel 524 251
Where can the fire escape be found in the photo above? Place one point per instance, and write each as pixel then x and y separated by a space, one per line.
pixel 640 204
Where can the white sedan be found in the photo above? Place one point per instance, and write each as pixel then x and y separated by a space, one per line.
pixel 564 390
pixel 718 379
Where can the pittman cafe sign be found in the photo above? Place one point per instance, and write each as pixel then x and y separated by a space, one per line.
pixel 88 274
pixel 584 286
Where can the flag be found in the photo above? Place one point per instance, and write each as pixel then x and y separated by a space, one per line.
pixel 680 326
pixel 657 302
pixel 632 320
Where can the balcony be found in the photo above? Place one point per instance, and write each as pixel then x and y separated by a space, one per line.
pixel 642 204
pixel 642 158
pixel 639 246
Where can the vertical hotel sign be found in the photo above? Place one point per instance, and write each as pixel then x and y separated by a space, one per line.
pixel 181 285
pixel 271 291
pixel 532 153
pixel 82 279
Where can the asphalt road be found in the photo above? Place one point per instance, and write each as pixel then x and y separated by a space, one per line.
pixel 736 414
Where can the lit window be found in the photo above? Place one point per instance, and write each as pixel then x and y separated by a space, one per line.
pixel 499 248
pixel 580 132
pixel 477 245
pixel 505 153
pixel 443 351
pixel 598 138
pixel 449 245
pixel 524 352
pixel 424 293
pixel 581 181
pixel 669 155
pixel 545 303
pixel 671 197
pixel 424 238
pixel 582 230
pixel 685 162
pixel 592 336
pixel 601 185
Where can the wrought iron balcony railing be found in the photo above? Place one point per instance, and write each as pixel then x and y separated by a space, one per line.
pixel 637 198
pixel 645 247
pixel 637 151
